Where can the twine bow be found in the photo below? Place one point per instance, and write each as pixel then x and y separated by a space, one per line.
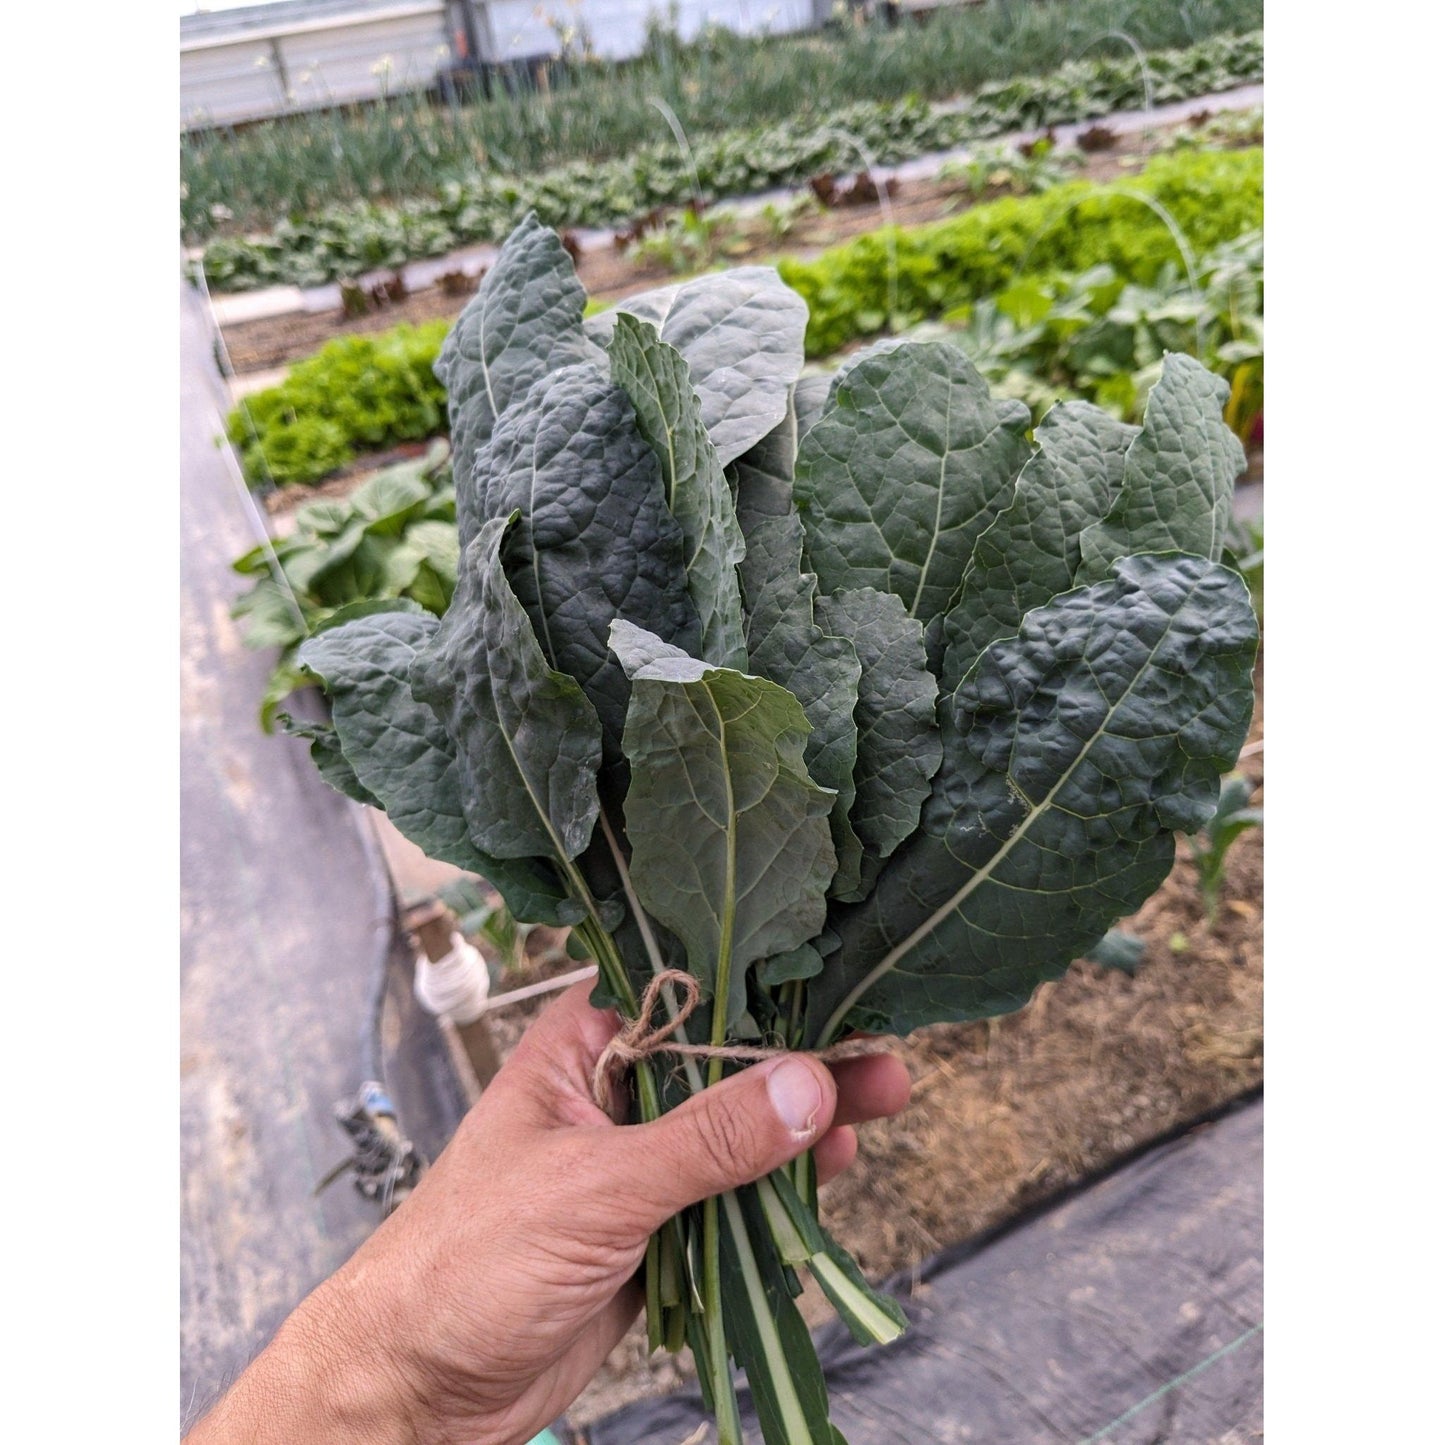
pixel 640 1039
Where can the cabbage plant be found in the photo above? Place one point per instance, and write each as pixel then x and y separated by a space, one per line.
pixel 857 698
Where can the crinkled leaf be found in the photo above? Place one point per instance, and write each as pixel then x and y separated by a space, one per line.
pixel 524 322
pixel 899 748
pixel 356 564
pixel 1031 552
pixel 528 739
pixel 402 756
pixel 596 539
pixel 810 396
pixel 435 548
pixel 786 646
pixel 669 415
pixel 741 334
pixel 908 464
pixel 1072 754
pixel 1179 474
pixel 762 477
pixel 327 755
pixel 262 557
pixel 765 471
pixel 730 844
pixel 286 678
pixel 326 518
pixel 371 607
pixel 399 745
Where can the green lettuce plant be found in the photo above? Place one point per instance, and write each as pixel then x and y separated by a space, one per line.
pixel 392 542
pixel 893 277
pixel 847 696
pixel 356 393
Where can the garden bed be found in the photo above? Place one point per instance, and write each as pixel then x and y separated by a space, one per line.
pixel 609 275
pixel 1012 1110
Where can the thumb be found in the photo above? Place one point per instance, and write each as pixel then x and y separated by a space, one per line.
pixel 741 1128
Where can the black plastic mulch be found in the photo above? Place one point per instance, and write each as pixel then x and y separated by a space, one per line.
pixel 1129 1311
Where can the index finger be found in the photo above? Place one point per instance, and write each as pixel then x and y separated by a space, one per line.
pixel 875 1086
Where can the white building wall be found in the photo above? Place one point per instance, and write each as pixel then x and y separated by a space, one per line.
pixel 264 70
pixel 258 70
pixel 618 28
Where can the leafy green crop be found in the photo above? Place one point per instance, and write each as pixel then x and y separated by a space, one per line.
pixel 356 393
pixel 591 112
pixel 484 204
pixel 845 696
pixel 1210 846
pixel 1011 170
pixel 893 277
pixel 1044 337
pixel 394 538
pixel 1096 336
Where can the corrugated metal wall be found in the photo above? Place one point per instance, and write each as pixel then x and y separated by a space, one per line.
pixel 247 64
pixel 617 28
pixel 297 64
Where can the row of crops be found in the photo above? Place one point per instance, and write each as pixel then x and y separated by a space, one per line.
pixel 483 200
pixel 409 148
pixel 1078 292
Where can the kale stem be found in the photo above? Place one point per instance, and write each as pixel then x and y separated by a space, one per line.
pixel 725 1405
pixel 795 1014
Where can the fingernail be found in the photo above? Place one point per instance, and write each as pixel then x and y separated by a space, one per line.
pixel 796 1095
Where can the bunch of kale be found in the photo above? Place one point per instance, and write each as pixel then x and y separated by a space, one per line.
pixel 847 695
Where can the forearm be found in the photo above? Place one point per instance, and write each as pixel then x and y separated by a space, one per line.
pixel 321 1379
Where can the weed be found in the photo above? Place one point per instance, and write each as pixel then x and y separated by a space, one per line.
pixel 1210 847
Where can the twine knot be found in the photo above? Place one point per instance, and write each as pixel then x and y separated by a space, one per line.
pixel 640 1039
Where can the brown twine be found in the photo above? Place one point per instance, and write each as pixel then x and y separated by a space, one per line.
pixel 639 1039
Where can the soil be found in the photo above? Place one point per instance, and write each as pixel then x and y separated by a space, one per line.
pixel 610 275
pixel 1009 1111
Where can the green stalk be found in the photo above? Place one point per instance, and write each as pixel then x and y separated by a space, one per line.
pixel 725 1400
pixel 872 1318
pixel 805 1180
pixel 652 1283
pixel 668 1305
pixel 770 1339
pixel 794 1037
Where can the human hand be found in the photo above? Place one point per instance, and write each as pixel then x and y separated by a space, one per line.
pixel 479 1311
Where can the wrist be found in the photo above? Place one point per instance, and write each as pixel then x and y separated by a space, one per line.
pixel 326 1376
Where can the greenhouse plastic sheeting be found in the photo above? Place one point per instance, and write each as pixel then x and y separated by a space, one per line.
pixel 1130 1311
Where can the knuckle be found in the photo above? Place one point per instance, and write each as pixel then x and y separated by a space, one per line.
pixel 725 1141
